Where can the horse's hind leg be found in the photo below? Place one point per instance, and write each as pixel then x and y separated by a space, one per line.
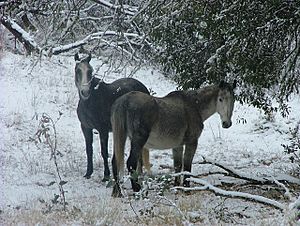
pixel 189 153
pixel 138 141
pixel 104 152
pixel 146 160
pixel 118 159
pixel 88 136
pixel 116 188
pixel 177 159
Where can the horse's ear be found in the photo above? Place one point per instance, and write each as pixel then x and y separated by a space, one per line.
pixel 88 59
pixel 76 57
pixel 234 84
pixel 222 84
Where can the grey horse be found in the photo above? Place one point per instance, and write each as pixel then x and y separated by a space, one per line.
pixel 174 121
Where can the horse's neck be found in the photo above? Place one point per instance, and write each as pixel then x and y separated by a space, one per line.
pixel 208 110
pixel 99 86
pixel 98 92
pixel 207 103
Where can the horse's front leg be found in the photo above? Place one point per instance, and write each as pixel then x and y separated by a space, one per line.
pixel 189 153
pixel 177 159
pixel 88 136
pixel 138 141
pixel 104 152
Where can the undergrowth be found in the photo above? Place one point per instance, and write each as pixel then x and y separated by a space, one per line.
pixel 293 148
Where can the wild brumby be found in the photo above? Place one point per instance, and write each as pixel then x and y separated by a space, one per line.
pixel 94 107
pixel 173 121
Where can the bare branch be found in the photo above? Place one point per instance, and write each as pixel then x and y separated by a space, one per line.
pixel 91 37
pixel 127 10
pixel 232 194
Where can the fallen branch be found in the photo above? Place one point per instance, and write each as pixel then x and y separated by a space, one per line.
pixel 232 194
pixel 266 180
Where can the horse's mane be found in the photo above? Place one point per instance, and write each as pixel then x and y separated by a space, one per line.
pixel 200 95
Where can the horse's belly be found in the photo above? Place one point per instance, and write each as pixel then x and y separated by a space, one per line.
pixel 163 141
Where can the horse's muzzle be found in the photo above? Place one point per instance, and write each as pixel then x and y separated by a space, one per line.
pixel 85 94
pixel 226 124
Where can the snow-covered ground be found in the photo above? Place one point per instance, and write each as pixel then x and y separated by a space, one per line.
pixel 30 88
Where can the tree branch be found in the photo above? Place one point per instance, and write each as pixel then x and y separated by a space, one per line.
pixel 23 36
pixel 127 10
pixel 89 38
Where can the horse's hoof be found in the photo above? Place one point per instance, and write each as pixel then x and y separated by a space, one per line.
pixel 177 182
pixel 136 187
pixel 105 179
pixel 87 176
pixel 116 193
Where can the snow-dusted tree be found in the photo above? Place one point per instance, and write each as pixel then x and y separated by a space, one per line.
pixel 59 26
pixel 255 42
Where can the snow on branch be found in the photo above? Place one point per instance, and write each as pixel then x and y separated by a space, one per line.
pixel 266 180
pixel 23 36
pixel 127 10
pixel 232 194
pixel 89 38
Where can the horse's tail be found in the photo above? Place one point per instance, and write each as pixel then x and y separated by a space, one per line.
pixel 119 129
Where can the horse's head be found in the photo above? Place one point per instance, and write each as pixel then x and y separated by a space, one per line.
pixel 83 76
pixel 225 102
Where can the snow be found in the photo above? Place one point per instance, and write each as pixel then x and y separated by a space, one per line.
pixel 31 87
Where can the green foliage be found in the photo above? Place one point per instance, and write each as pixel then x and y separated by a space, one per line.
pixel 255 42
pixel 160 184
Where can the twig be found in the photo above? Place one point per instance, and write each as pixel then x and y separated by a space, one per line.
pixel 138 217
pixel 160 198
pixel 287 191
pixel 46 124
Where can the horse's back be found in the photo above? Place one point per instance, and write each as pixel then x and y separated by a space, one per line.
pixel 125 85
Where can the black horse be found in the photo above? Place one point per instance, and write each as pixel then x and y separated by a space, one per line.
pixel 94 107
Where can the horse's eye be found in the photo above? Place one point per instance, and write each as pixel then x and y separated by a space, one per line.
pixel 220 99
